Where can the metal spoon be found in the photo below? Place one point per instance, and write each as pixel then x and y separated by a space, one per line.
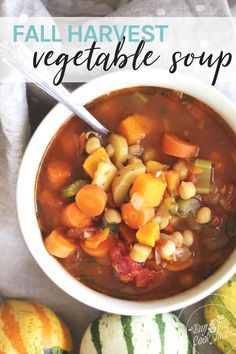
pixel 18 56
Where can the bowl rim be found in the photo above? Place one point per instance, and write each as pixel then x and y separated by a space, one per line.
pixel 25 193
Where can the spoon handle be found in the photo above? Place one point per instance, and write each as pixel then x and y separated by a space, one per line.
pixel 18 56
pixel 62 95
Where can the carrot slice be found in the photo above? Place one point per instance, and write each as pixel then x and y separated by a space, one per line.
pixel 174 146
pixel 172 180
pixel 91 200
pixel 72 217
pixel 136 218
pixel 178 266
pixel 58 172
pixel 70 143
pixel 101 251
pixel 95 240
pixel 58 245
pixel 49 199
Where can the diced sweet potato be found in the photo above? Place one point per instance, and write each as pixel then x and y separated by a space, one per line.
pixel 136 127
pixel 91 163
pixel 150 188
pixel 148 234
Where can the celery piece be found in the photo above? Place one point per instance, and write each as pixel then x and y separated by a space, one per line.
pixel 72 189
pixel 187 206
pixel 204 178
pixel 171 205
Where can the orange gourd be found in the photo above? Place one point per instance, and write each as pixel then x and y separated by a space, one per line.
pixel 29 327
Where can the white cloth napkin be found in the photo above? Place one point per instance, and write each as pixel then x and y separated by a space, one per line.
pixel 20 276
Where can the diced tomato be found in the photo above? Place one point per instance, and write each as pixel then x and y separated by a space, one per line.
pixel 192 177
pixel 169 228
pixel 127 234
pixel 129 270
pixel 110 201
pixel 216 220
pixel 151 264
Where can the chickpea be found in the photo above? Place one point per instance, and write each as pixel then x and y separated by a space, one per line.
pixel 149 154
pixel 140 253
pixel 187 190
pixel 203 215
pixel 166 249
pixel 178 238
pixel 164 222
pixel 92 145
pixel 112 216
pixel 181 167
pixel 188 238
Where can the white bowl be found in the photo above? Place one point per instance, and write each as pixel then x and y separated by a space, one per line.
pixel 28 173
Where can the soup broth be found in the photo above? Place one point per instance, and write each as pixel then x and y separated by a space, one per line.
pixel 174 226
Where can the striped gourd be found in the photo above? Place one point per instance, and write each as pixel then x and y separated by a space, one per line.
pixel 31 328
pixel 220 313
pixel 158 334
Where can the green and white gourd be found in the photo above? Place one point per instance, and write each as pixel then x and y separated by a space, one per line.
pixel 115 334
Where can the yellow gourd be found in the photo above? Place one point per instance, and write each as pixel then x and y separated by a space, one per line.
pixel 29 327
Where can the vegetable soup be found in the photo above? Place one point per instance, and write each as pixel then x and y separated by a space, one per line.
pixel 148 211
